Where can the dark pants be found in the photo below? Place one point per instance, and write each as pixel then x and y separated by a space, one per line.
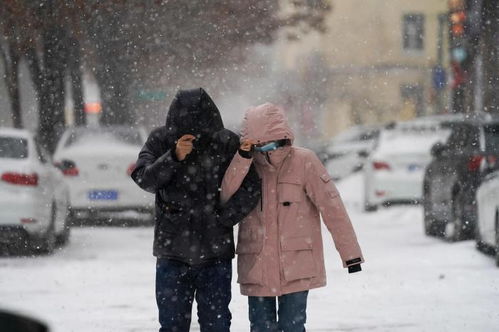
pixel 291 314
pixel 176 286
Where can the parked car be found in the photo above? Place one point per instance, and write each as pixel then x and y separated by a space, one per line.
pixel 394 171
pixel 349 150
pixel 487 224
pixel 34 198
pixel 453 176
pixel 97 163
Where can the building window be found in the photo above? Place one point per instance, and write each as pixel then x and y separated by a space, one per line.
pixel 412 100
pixel 413 32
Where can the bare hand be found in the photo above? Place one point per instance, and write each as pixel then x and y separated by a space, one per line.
pixel 246 145
pixel 184 146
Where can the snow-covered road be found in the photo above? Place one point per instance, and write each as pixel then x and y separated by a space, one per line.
pixel 104 280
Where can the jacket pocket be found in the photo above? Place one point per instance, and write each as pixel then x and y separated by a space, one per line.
pixel 249 265
pixel 290 190
pixel 297 258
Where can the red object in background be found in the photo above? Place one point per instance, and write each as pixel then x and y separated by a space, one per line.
pixel 20 179
pixel 130 169
pixel 28 220
pixel 72 171
pixel 474 163
pixel 93 108
pixel 379 165
pixel 458 75
pixel 457 23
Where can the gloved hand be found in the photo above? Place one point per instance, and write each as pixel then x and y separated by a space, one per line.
pixel 354 268
pixel 354 265
pixel 245 150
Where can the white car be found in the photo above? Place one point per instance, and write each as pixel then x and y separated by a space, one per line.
pixel 34 197
pixel 97 163
pixel 349 150
pixel 487 197
pixel 394 171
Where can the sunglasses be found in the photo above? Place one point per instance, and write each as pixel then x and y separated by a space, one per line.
pixel 270 146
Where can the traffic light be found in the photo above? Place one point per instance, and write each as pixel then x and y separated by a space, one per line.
pixel 459 51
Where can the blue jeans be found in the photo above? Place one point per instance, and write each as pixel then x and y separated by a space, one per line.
pixel 177 284
pixel 291 314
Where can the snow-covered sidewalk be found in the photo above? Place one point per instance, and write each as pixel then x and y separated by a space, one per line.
pixel 104 280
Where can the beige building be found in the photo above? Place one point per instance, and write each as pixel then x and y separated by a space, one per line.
pixel 379 56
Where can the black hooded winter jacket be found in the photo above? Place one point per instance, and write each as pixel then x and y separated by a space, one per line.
pixel 190 224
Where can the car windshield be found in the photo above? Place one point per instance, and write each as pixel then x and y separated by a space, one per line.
pixel 104 135
pixel 492 137
pixel 13 147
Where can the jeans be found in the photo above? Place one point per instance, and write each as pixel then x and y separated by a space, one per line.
pixel 291 314
pixel 177 284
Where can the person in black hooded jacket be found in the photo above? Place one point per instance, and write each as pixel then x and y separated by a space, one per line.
pixel 183 163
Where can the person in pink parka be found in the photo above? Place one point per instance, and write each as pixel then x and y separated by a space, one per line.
pixel 279 250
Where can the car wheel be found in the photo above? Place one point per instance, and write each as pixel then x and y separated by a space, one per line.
pixel 49 240
pixel 454 227
pixel 368 207
pixel 63 237
pixel 429 226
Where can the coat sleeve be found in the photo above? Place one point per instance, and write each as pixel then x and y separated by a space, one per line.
pixel 234 176
pixel 323 193
pixel 240 187
pixel 154 169
pixel 243 201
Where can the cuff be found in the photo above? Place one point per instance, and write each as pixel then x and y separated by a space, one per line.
pixel 245 154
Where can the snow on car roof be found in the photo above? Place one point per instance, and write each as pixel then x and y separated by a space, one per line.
pixel 22 133
pixel 411 139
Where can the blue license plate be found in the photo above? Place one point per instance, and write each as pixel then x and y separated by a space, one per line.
pixel 103 195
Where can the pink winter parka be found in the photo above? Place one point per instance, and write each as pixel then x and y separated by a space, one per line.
pixel 279 244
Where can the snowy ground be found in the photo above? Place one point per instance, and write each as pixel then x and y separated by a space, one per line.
pixel 104 280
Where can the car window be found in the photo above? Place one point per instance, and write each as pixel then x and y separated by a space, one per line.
pixel 492 137
pixel 103 135
pixel 13 147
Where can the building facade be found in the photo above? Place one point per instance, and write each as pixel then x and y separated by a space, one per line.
pixel 381 57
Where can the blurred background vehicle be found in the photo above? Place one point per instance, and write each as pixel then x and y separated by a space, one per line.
pixel 97 163
pixel 487 222
pixel 453 176
pixel 34 199
pixel 394 171
pixel 347 152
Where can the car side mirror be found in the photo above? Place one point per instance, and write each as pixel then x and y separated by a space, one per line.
pixel 438 149
pixel 65 164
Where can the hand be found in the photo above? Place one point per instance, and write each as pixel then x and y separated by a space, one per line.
pixel 246 145
pixel 184 146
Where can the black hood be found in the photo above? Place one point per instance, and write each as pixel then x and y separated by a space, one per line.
pixel 193 112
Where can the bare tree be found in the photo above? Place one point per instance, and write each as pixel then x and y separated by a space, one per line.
pixel 127 39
